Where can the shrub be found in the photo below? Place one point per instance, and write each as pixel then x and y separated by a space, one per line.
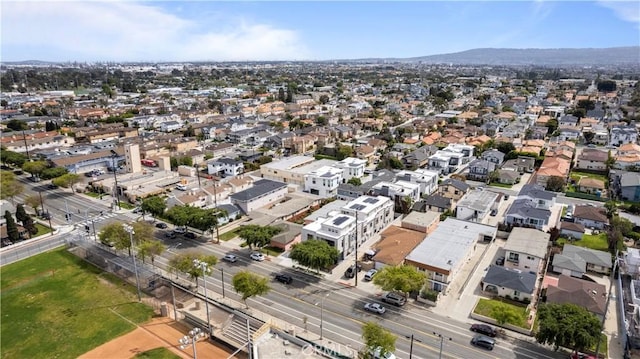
pixel 429 294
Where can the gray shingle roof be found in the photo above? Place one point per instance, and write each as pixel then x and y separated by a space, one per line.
pixel 456 183
pixel 536 191
pixel 510 278
pixel 599 258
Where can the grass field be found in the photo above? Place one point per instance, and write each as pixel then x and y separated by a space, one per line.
pixel 229 235
pixel 158 353
pixel 54 305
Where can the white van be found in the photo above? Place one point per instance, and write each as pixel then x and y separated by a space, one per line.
pixel 181 187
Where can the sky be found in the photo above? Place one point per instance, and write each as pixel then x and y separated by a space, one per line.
pixel 161 31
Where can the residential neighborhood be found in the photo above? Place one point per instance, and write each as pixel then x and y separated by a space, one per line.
pixel 495 185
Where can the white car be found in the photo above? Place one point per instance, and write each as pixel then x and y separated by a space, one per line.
pixel 180 230
pixel 375 307
pixel 377 355
pixel 257 256
pixel 370 273
pixel 230 258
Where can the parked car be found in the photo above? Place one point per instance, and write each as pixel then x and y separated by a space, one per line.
pixel 190 235
pixel 493 213
pixel 180 230
pixel 578 355
pixel 170 235
pixel 230 258
pixel 370 273
pixel 374 307
pixel 257 256
pixel 483 341
pixel 484 329
pixel 500 261
pixel 284 278
pixel 137 210
pixel 395 299
pixel 377 354
pixel 351 271
pixel 161 225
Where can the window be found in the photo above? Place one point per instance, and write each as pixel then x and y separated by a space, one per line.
pixel 514 257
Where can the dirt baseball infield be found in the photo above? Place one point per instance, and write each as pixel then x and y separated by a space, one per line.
pixel 159 332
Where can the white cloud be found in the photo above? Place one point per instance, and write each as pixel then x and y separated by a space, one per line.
pixel 625 10
pixel 126 31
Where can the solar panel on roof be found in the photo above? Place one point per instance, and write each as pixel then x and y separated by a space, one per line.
pixel 371 200
pixel 357 207
pixel 338 221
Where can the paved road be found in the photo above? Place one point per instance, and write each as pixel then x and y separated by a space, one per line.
pixel 342 315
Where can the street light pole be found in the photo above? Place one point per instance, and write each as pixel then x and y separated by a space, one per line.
pixel 205 268
pixel 442 338
pixel 322 314
pixel 222 279
pixel 192 338
pixel 114 165
pixel 129 230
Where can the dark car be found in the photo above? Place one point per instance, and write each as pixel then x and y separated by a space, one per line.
pixel 500 261
pixel 351 271
pixel 161 225
pixel 484 329
pixel 190 235
pixel 170 235
pixel 284 278
pixel 483 341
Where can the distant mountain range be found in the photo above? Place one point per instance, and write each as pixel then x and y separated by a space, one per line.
pixel 489 56
pixel 553 57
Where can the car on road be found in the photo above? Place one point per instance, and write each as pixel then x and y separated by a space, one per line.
pixel 230 258
pixel 378 354
pixel 375 308
pixel 190 235
pixel 370 273
pixel 137 210
pixel 484 329
pixel 395 299
pixel 180 230
pixel 284 278
pixel 351 271
pixel 578 355
pixel 161 225
pixel 170 235
pixel 483 341
pixel 257 256
pixel 51 186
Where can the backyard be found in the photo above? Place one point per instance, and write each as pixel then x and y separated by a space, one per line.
pixel 596 242
pixel 515 314
pixel 54 305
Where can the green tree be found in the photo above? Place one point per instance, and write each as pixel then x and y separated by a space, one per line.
pixel 12 158
pixel 154 205
pixel 185 263
pixel 402 278
pixel 588 136
pixel 49 173
pixel 17 125
pixel 150 249
pixel 567 325
pixel 375 336
pixel 610 160
pixel 343 152
pixel 257 236
pixel 314 253
pixel 143 232
pixel 67 181
pixel 34 168
pixel 9 185
pixel 249 285
pixel 33 201
pixel 114 235
pixel 503 313
pixel 12 227
pixel 355 181
pixel 612 208
pixel 21 214
pixel 505 147
pixel 555 184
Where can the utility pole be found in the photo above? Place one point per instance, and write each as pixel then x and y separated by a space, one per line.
pixel 26 146
pixel 356 267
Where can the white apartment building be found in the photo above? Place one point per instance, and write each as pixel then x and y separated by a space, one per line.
pixel 428 180
pixel 398 189
pixel 323 181
pixel 351 167
pixel 623 134
pixel 292 170
pixel 337 229
pixel 369 214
